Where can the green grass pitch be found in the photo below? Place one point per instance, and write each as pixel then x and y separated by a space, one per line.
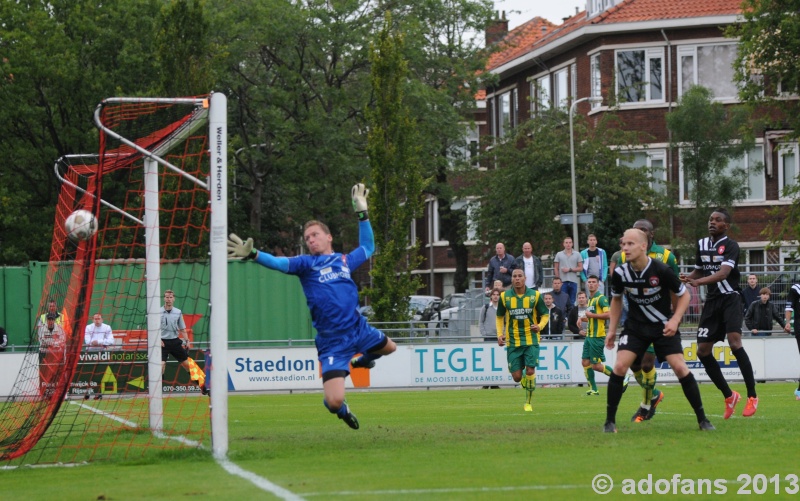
pixel 458 444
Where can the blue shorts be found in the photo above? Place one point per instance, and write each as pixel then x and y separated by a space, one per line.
pixel 335 351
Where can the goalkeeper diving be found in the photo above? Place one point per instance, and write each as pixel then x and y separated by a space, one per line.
pixel 332 297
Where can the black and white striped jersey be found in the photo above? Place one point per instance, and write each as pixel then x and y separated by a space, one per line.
pixel 648 291
pixel 713 255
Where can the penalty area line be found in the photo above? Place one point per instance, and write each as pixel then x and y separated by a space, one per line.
pixel 446 490
pixel 260 482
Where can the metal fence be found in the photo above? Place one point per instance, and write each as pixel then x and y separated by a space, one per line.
pixel 463 324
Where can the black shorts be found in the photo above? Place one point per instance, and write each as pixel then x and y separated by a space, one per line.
pixel 721 315
pixel 174 346
pixel 636 337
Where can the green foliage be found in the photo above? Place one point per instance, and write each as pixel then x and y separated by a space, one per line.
pixel 183 49
pixel 397 181
pixel 769 41
pixel 531 185
pixel 709 135
pixel 58 60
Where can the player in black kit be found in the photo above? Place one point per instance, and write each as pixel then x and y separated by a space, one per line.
pixel 650 286
pixel 717 267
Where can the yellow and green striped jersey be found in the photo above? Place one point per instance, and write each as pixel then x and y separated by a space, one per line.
pixel 520 313
pixel 598 305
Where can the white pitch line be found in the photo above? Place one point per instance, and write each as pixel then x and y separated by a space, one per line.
pixel 260 482
pixel 227 465
pixel 116 418
pixel 454 490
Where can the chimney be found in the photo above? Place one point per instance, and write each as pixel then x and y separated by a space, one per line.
pixel 496 30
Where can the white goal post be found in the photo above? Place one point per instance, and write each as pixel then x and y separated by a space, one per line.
pixel 212 112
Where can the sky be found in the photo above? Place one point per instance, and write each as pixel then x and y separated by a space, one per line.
pixel 520 11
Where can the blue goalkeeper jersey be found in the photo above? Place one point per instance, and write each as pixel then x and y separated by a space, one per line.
pixel 331 294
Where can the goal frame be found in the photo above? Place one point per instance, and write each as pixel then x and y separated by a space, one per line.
pixel 212 110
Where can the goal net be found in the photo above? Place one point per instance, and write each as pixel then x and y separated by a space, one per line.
pixel 157 188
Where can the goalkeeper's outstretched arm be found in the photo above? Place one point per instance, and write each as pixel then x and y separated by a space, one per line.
pixel 245 250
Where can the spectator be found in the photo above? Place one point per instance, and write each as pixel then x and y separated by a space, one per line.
pixel 488 315
pixel 489 320
pixel 98 336
pixel 761 313
pixel 500 267
pixel 532 266
pixel 750 293
pixel 577 322
pixel 561 298
pixel 555 322
pixel 568 264
pixel 51 336
pixel 52 309
pixel 498 284
pixel 615 258
pixel 3 339
pixel 595 262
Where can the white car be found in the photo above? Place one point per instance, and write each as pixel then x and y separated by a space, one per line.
pixel 417 304
pixel 446 310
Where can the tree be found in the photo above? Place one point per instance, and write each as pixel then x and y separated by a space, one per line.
pixel 393 152
pixel 447 62
pixel 769 41
pixel 709 136
pixel 298 78
pixel 523 196
pixel 58 60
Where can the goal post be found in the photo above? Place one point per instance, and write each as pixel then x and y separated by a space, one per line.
pixel 158 189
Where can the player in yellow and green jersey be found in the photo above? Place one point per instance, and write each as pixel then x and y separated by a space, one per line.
pixel 521 315
pixel 644 368
pixel 597 313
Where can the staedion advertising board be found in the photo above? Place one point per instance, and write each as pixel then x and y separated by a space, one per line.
pixel 429 365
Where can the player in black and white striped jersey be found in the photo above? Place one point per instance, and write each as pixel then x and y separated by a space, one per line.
pixel 650 286
pixel 717 267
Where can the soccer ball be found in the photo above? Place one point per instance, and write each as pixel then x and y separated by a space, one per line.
pixel 80 225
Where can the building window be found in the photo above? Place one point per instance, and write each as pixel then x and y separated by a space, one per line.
pixel 472 224
pixel 751 162
pixel 432 216
pixel 573 80
pixel 542 93
pixel 594 74
pixel 506 112
pixel 788 168
pixel 469 150
pixel 561 89
pixel 711 66
pixel 640 75
pixel 652 160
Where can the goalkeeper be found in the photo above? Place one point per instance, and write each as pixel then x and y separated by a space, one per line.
pixel 332 297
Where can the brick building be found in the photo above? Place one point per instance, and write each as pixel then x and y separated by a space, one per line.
pixel 638 56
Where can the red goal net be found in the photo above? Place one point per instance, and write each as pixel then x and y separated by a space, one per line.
pixel 75 401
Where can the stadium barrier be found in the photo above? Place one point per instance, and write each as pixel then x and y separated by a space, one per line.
pixel 459 364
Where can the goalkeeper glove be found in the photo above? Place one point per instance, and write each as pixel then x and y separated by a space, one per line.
pixel 237 248
pixel 359 195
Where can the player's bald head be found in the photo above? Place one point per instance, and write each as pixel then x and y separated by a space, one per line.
pixel 637 235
